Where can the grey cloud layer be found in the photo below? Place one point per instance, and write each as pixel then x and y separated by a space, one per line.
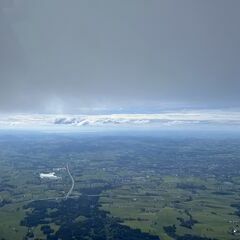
pixel 59 56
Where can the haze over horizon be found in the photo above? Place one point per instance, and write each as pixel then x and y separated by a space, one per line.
pixel 118 56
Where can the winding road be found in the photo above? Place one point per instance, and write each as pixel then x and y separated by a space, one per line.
pixel 73 183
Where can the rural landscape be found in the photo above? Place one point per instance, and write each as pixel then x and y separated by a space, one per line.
pixel 119 120
pixel 93 186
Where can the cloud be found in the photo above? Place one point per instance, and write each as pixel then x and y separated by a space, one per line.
pixel 59 56
pixel 167 119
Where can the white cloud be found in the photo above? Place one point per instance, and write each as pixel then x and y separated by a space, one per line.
pixel 166 119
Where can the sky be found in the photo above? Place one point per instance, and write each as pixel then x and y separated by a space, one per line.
pixel 134 56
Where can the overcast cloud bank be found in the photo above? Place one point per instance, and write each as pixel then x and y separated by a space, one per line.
pixel 60 56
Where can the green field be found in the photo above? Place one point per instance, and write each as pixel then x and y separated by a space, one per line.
pixel 151 207
pixel 164 187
